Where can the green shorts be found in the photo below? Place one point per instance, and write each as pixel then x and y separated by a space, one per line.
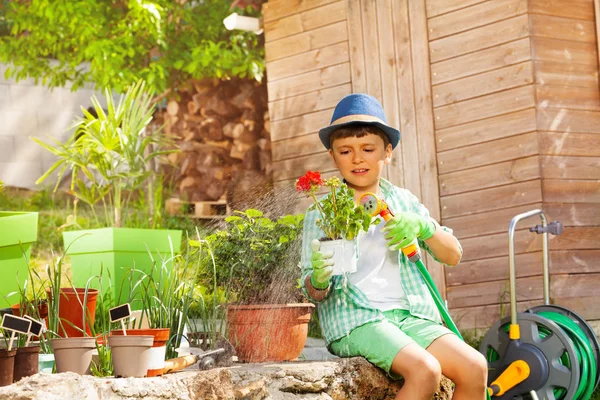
pixel 380 341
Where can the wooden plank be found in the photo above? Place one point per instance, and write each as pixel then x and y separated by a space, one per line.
pixel 276 9
pixel 570 167
pixel 296 147
pixel 303 42
pixel 580 285
pixel 298 126
pixel 494 221
pixel 310 61
pixel 293 168
pixel 484 317
pixel 571 191
pixel 325 15
pixel 586 307
pixel 438 7
pixel 474 16
pixel 568 120
pixel 555 50
pixel 577 237
pixel 504 173
pixel 404 77
pixel 492 199
pixel 487 293
pixel 494 269
pixel 496 245
pixel 371 48
pixel 389 85
pixel 481 61
pixel 566 74
pixel 357 50
pixel 483 107
pixel 597 26
pixel 506 125
pixel 578 9
pixel 569 144
pixel 283 27
pixel 562 28
pixel 308 103
pixel 479 38
pixel 482 84
pixel 582 214
pixel 309 82
pixel 426 133
pixel 488 153
pixel 573 98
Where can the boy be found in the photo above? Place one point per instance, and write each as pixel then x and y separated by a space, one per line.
pixel 383 311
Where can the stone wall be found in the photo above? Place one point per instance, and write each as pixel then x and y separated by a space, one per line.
pixel 30 110
pixel 342 379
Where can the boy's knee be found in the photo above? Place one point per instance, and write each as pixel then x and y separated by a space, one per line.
pixel 475 370
pixel 426 370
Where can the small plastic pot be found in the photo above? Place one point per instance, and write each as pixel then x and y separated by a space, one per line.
pixel 73 354
pixel 26 362
pixel 131 355
pixel 7 366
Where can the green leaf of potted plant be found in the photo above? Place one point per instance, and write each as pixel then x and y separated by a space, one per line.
pixel 110 157
pixel 341 219
pixel 256 258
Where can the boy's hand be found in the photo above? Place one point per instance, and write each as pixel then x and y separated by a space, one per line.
pixel 322 265
pixel 404 228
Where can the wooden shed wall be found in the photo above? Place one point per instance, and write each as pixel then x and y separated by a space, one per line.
pixel 499 107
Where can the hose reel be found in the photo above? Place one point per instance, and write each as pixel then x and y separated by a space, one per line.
pixel 547 352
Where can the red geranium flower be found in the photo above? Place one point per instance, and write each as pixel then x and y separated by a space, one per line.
pixel 310 181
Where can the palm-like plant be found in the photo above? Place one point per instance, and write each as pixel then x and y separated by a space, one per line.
pixel 111 153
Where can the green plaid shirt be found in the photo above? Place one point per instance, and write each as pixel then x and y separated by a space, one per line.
pixel 347 307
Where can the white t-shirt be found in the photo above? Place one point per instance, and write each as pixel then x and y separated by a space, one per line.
pixel 378 275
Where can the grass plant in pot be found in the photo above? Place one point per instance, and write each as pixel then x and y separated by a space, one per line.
pixel 255 258
pixel 165 304
pixel 111 158
pixel 340 219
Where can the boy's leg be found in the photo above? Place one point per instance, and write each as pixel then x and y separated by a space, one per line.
pixel 421 371
pixel 463 365
pixel 385 345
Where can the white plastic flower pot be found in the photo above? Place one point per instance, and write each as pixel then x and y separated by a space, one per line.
pixel 344 255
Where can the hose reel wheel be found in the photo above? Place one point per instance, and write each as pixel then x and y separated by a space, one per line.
pixel 556 377
pixel 582 323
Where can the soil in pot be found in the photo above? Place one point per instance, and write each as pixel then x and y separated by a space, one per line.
pixel 131 355
pixel 7 366
pixel 73 354
pixel 159 348
pixel 26 362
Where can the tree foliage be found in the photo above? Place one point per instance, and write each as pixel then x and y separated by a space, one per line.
pixel 114 43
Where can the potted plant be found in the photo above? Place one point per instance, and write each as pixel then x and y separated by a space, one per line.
pixel 255 258
pixel 111 158
pixel 340 218
pixel 18 231
pixel 164 304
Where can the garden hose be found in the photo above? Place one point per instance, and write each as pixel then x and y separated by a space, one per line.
pixel 583 351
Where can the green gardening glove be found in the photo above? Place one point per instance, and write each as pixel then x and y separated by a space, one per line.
pixel 322 266
pixel 403 229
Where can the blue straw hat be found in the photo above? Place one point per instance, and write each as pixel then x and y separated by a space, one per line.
pixel 359 109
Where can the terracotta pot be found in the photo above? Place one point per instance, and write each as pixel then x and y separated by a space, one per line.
pixel 26 362
pixel 159 347
pixel 70 310
pixel 7 366
pixel 73 354
pixel 269 332
pixel 131 355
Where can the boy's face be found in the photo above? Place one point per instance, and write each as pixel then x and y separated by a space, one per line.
pixel 361 160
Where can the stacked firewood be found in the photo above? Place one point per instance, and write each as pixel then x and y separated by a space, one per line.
pixel 222 129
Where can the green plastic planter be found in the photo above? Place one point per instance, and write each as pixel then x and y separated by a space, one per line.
pixel 116 251
pixel 18 231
